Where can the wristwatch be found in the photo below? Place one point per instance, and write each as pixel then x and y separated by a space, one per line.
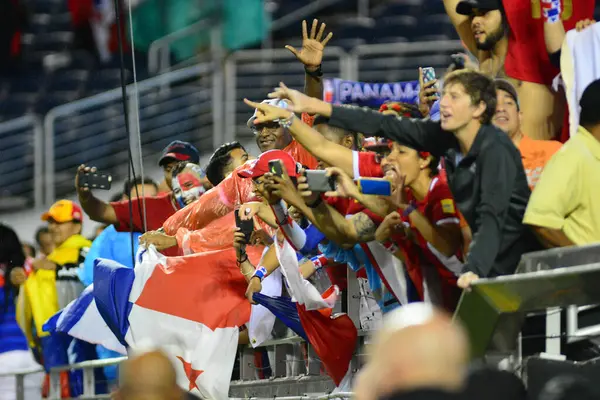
pixel 412 206
pixel 317 73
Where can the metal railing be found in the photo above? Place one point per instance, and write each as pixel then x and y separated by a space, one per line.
pixel 92 130
pixel 21 163
pixel 396 62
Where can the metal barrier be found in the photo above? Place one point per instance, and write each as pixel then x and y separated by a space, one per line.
pixel 21 163
pixel 399 61
pixel 254 73
pixel 92 130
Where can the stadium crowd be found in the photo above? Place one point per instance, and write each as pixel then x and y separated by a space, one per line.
pixel 418 206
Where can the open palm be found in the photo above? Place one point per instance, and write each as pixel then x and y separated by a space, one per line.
pixel 311 53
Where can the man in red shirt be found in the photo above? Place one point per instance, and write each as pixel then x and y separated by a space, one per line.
pixel 141 213
pixel 507 37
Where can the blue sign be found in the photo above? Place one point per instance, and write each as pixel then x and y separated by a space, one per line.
pixel 339 91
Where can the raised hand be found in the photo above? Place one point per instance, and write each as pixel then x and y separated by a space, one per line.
pixel 311 53
pixel 428 94
pixel 299 102
pixel 160 240
pixel 267 112
pixel 390 225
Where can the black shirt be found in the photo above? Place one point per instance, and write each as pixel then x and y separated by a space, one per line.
pixel 489 184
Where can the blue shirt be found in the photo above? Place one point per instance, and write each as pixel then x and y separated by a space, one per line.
pixel 11 336
pixel 111 245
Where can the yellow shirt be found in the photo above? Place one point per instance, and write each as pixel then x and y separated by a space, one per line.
pixel 566 196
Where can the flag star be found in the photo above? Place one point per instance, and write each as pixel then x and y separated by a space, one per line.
pixel 191 373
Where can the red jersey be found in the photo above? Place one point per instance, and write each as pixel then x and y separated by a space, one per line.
pixel 158 210
pixel 366 164
pixel 440 209
pixel 527 58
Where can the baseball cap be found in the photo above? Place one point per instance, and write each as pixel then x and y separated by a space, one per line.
pixel 377 144
pixel 260 166
pixel 465 7
pixel 502 84
pixel 64 211
pixel 272 102
pixel 179 151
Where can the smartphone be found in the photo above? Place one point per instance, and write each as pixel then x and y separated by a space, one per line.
pixel 375 186
pixel 318 181
pixel 276 168
pixel 246 227
pixel 428 74
pixel 95 180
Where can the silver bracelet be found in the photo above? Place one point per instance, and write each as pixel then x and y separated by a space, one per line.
pixel 286 123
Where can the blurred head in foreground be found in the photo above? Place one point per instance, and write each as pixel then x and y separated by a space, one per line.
pixel 148 376
pixel 419 348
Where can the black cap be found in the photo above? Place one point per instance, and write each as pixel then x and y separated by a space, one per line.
pixel 590 104
pixel 502 84
pixel 465 7
pixel 179 151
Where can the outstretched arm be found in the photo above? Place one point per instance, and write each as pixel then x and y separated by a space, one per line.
pixel 311 55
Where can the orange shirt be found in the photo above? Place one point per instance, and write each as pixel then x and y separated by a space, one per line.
pixel 534 155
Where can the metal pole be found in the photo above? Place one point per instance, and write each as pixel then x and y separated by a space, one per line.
pixel 217 86
pixel 49 154
pixel 20 386
pixel 38 163
pixel 363 8
pixel 553 331
pixel 136 145
pixel 89 382
pixel 230 98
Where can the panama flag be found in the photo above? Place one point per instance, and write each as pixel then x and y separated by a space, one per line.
pixel 81 319
pixel 191 307
pixel 309 314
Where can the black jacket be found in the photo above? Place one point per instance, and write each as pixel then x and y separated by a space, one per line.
pixel 424 394
pixel 489 184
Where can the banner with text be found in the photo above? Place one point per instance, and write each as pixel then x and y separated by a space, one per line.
pixel 339 91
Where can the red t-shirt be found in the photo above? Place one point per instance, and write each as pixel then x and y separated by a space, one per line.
pixel 527 58
pixel 366 164
pixel 439 208
pixel 158 210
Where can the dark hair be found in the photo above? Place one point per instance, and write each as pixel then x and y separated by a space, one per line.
pixel 11 256
pixel 479 87
pixel 339 132
pixel 220 159
pixel 180 166
pixel 567 387
pixel 130 185
pixel 41 230
pixel 434 166
pixel 590 102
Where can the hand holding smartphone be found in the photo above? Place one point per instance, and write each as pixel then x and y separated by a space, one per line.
pixel 318 181
pixel 374 186
pixel 246 226
pixel 276 168
pixel 94 180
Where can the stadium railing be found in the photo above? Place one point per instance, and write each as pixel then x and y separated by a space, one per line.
pixel 21 163
pixel 294 375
